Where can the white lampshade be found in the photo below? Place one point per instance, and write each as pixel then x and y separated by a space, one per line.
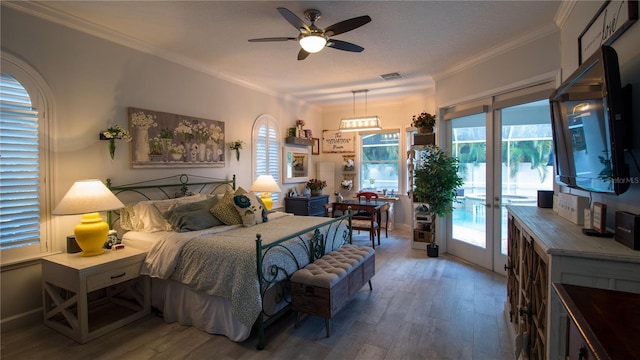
pixel 313 43
pixel 265 183
pixel 86 196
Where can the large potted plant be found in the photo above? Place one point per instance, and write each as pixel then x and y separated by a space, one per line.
pixel 435 182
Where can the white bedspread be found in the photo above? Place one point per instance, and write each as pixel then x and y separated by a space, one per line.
pixel 221 261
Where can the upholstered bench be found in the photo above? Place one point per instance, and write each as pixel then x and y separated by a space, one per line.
pixel 323 287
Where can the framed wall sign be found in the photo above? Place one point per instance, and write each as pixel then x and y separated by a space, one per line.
pixel 334 141
pixel 600 217
pixel 611 20
pixel 315 149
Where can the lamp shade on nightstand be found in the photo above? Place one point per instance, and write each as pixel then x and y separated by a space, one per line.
pixel 88 197
pixel 265 185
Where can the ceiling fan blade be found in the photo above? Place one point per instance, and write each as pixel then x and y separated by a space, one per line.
pixel 293 19
pixel 343 45
pixel 347 25
pixel 272 39
pixel 302 54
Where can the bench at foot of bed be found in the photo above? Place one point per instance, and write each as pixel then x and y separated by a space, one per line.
pixel 325 286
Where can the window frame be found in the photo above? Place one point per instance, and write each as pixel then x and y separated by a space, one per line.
pixel 42 100
pixel 361 181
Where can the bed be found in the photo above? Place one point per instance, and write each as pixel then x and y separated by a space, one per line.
pixel 229 277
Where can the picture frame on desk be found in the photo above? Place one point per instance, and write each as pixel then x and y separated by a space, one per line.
pixel 600 217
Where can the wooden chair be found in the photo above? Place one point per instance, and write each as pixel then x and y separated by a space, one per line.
pixel 362 222
pixel 367 195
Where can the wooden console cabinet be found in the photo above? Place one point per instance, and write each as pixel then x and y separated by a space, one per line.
pixel 545 248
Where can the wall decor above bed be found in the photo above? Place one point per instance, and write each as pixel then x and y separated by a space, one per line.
pixel 164 140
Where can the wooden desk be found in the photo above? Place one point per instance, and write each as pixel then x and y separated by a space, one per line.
pixel 373 206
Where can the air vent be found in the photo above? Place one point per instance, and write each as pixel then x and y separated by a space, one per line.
pixel 391 76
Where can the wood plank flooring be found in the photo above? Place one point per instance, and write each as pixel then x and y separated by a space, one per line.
pixel 420 308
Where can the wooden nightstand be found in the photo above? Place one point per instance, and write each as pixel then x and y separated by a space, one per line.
pixel 87 297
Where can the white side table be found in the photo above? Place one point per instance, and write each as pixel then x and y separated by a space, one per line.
pixel 87 297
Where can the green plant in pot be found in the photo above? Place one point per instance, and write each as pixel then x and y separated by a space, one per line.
pixel 435 181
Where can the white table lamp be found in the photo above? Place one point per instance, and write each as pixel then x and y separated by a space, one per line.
pixel 265 185
pixel 88 197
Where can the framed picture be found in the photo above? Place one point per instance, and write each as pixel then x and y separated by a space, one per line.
pixel 164 140
pixel 611 20
pixel 600 217
pixel 296 164
pixel 315 149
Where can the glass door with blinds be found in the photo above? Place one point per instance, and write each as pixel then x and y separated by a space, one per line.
pixel 505 158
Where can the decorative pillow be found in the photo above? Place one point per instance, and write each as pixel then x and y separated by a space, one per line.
pixel 193 216
pixel 225 210
pixel 250 208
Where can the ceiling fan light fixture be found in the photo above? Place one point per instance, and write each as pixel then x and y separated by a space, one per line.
pixel 312 43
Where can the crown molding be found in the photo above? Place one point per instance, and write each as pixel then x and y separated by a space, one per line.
pixel 566 7
pixel 42 11
pixel 498 50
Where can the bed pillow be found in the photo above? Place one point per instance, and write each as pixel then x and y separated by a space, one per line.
pixel 224 209
pixel 146 216
pixel 193 216
pixel 250 208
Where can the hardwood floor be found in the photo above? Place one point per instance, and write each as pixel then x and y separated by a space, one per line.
pixel 420 308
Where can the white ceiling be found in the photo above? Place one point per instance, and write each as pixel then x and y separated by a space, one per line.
pixel 418 39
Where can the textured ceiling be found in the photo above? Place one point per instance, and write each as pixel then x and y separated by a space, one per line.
pixel 418 39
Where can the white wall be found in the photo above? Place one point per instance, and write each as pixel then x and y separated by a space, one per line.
pixel 94 81
pixel 628 52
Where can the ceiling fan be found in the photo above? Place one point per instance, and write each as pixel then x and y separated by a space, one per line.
pixel 313 39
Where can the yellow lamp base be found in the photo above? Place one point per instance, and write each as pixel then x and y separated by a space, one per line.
pixel 266 200
pixel 91 234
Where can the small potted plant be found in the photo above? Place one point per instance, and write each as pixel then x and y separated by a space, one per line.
pixel 155 149
pixel 424 122
pixel 113 133
pixel 316 186
pixel 435 182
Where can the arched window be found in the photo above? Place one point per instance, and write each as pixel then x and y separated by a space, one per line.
pixel 24 115
pixel 267 148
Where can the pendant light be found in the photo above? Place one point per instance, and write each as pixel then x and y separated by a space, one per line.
pixel 360 123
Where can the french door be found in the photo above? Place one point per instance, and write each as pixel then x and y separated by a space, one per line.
pixel 505 158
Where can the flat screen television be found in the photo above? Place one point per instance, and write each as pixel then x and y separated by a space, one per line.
pixel 588 120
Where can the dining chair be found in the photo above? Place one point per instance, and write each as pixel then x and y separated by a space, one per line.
pixel 367 195
pixel 359 221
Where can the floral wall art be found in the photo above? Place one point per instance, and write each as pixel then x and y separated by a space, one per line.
pixel 163 140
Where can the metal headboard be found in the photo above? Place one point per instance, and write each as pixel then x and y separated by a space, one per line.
pixel 169 187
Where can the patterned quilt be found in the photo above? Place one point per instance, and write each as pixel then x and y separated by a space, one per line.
pixel 223 262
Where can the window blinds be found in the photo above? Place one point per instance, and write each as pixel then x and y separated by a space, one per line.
pixel 19 167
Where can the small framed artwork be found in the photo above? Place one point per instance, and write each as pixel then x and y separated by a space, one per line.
pixel 315 149
pixel 599 217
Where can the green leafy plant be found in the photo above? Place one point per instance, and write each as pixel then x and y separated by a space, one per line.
pixel 435 182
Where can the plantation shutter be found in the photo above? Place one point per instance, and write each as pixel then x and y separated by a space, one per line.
pixel 19 167
pixel 267 152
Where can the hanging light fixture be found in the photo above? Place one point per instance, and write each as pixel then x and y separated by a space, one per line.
pixel 360 123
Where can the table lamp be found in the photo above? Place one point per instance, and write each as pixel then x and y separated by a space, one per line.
pixel 88 197
pixel 265 185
